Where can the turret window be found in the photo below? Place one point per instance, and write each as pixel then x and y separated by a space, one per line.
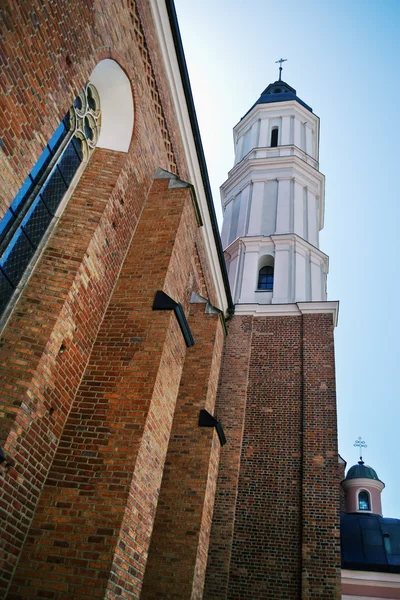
pixel 274 137
pixel 364 501
pixel 266 278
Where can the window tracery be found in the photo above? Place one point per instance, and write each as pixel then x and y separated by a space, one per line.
pixel 32 211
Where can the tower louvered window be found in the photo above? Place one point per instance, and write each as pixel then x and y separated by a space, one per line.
pixel 24 226
pixel 274 137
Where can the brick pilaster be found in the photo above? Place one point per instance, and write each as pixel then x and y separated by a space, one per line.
pixel 320 489
pixel 179 545
pixel 230 407
pixel 92 529
pixel 275 523
pixel 266 549
pixel 57 311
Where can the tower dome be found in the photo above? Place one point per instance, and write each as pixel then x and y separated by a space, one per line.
pixel 279 91
pixel 362 471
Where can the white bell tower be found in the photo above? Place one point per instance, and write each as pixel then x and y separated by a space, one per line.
pixel 273 204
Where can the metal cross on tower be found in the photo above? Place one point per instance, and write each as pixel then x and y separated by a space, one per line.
pixel 360 444
pixel 280 61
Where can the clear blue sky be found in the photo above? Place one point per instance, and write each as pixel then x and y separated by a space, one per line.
pixel 343 61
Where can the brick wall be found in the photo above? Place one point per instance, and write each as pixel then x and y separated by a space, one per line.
pixel 230 409
pixel 179 544
pixel 320 494
pixel 276 513
pixel 89 375
pixel 49 53
pixel 47 342
pixel 95 513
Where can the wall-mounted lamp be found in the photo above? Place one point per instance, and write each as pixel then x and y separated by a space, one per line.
pixel 207 420
pixel 164 302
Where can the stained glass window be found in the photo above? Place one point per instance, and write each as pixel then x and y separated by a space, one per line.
pixel 33 209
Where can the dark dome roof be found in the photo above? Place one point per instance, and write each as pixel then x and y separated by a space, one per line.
pixel 360 470
pixel 279 91
pixel 370 543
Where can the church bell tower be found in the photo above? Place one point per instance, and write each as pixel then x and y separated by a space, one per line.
pixel 275 528
pixel 273 203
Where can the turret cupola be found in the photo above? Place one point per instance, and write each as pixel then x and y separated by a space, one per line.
pixel 363 488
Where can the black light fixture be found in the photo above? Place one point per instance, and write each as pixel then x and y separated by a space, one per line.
pixel 164 302
pixel 207 420
pixel 2 456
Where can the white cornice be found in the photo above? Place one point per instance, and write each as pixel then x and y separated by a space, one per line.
pixel 371 578
pixel 310 308
pixel 166 43
pixel 362 482
pixel 311 174
pixel 279 108
pixel 283 150
pixel 257 241
pixel 233 248
pixel 289 310
pixel 267 169
pixel 293 237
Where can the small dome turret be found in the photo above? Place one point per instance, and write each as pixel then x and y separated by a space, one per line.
pixel 363 488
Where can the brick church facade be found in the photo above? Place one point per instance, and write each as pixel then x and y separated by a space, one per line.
pixel 130 353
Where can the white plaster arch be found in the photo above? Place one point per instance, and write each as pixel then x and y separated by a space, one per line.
pixel 266 260
pixel 116 103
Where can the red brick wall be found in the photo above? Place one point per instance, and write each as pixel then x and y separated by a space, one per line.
pixel 230 409
pixel 320 496
pixel 48 55
pixel 59 307
pixel 96 511
pixel 283 519
pixel 179 544
pixel 89 374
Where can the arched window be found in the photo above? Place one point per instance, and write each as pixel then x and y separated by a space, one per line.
pixel 274 137
pixel 387 543
pixel 266 278
pixel 363 501
pixel 24 225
